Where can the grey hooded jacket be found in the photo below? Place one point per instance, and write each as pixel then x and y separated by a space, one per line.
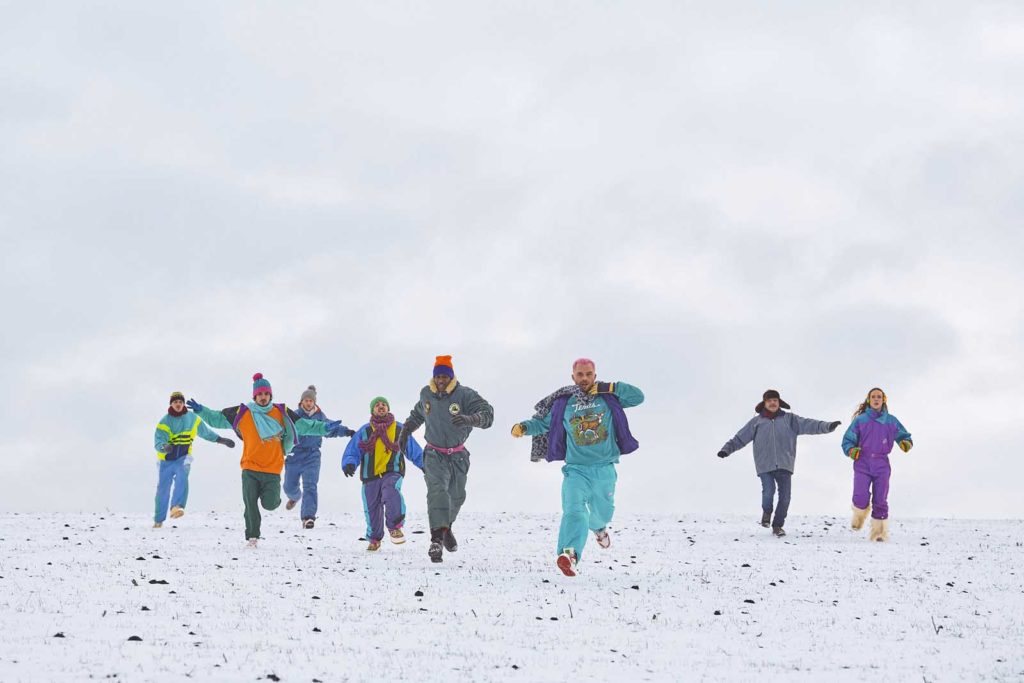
pixel 437 409
pixel 774 440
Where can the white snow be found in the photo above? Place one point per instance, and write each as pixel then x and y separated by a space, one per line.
pixel 674 598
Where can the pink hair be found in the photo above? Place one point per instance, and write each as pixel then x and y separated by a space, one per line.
pixel 583 361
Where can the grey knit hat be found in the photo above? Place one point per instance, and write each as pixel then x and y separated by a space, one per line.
pixel 309 393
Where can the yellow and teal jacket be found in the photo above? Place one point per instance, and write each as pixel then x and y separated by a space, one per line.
pixel 180 431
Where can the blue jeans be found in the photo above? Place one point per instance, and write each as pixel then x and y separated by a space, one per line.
pixel 304 466
pixel 784 479
pixel 171 472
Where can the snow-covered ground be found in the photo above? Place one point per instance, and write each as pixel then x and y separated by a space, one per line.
pixel 680 598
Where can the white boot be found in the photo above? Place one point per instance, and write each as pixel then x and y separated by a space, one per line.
pixel 879 530
pixel 859 515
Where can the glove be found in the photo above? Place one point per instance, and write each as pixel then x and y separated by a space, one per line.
pixel 166 448
pixel 854 453
pixel 345 431
pixel 225 442
pixel 906 445
pixel 193 405
pixel 723 454
pixel 832 425
pixel 474 420
pixel 518 430
pixel 349 469
pixel 403 439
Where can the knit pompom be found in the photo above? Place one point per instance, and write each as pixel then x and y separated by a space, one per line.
pixel 257 376
pixel 312 388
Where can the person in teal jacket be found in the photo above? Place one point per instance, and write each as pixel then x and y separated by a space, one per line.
pixel 175 434
pixel 585 426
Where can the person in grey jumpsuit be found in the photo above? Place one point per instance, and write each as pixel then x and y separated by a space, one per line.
pixel 450 411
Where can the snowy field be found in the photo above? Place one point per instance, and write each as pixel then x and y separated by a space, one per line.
pixel 106 597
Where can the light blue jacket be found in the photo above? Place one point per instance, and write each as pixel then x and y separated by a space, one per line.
pixel 180 431
pixel 774 439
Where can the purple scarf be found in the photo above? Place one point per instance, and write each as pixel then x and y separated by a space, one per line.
pixel 380 425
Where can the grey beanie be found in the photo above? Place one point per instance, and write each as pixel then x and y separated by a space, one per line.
pixel 309 393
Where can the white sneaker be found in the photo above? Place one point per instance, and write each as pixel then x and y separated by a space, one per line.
pixel 251 543
pixel 602 538
pixel 567 562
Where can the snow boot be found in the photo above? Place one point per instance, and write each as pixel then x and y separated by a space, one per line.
pixel 778 531
pixel 158 525
pixel 602 538
pixel 879 530
pixel 290 505
pixel 567 562
pixel 450 544
pixel 397 536
pixel 436 549
pixel 766 519
pixel 251 544
pixel 308 523
pixel 859 515
pixel 177 512
pixel 374 546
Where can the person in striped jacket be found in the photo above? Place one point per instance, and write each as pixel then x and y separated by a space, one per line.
pixel 175 434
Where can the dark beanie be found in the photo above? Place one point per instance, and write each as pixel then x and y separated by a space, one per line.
pixel 177 396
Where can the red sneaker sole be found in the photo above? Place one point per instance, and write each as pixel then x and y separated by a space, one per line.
pixel 565 564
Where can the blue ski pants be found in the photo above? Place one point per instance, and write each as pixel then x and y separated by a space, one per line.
pixel 171 486
pixel 588 503
pixel 304 467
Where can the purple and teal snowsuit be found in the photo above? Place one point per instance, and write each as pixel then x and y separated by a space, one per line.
pixel 304 464
pixel 875 431
pixel 383 502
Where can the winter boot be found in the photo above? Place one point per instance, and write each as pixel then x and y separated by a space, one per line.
pixel 290 505
pixel 567 562
pixel 859 515
pixel 251 544
pixel 308 523
pixel 879 530
pixel 436 549
pixel 397 536
pixel 602 538
pixel 450 544
pixel 778 531
pixel 177 512
pixel 374 546
pixel 766 519
pixel 158 525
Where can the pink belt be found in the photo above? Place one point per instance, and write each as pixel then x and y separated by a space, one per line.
pixel 447 451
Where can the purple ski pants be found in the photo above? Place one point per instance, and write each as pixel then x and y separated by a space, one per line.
pixel 383 504
pixel 871 484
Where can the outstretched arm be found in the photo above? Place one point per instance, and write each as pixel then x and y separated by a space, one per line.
pixel 535 426
pixel 806 425
pixel 218 419
pixel 741 439
pixel 207 433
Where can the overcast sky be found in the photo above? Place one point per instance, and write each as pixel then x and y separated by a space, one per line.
pixel 710 200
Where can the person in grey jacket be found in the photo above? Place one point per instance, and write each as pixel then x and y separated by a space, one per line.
pixel 450 410
pixel 774 433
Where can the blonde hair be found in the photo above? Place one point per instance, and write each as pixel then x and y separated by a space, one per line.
pixel 866 403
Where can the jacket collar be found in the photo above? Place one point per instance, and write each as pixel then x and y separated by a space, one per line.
pixel 450 388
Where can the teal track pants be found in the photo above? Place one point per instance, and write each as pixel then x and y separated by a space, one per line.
pixel 588 503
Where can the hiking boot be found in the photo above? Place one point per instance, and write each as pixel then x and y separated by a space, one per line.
pixel 602 538
pixel 251 544
pixel 450 544
pixel 567 562
pixel 177 512
pixel 290 505
pixel 158 525
pixel 436 551
pixel 778 531
pixel 308 523
pixel 374 546
pixel 766 519
pixel 397 536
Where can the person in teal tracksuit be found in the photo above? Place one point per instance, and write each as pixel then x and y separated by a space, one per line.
pixel 175 433
pixel 585 425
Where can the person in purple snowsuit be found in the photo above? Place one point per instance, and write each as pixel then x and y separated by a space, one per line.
pixel 868 442
pixel 374 451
